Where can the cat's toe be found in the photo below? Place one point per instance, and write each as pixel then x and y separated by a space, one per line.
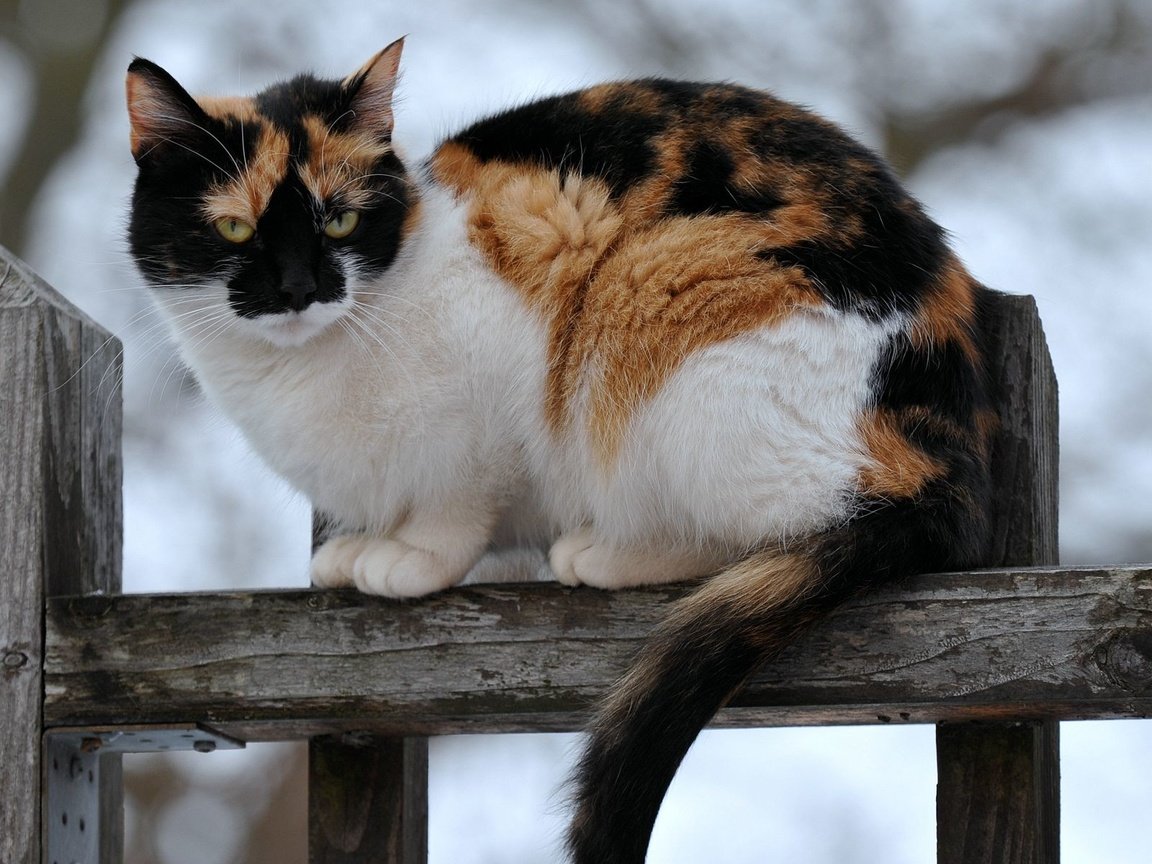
pixel 392 568
pixel 333 562
pixel 600 566
pixel 564 552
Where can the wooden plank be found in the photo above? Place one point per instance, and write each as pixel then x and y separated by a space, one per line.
pixel 998 786
pixel 59 523
pixel 1025 644
pixel 368 800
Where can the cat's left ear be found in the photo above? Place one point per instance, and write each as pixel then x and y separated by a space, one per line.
pixel 370 90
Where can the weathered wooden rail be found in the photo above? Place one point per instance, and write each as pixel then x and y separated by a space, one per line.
pixel 1027 644
pixel 995 657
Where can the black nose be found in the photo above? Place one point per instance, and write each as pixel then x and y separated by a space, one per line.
pixel 298 293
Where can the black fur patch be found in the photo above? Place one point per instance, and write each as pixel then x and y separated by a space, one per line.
pixel 940 378
pixel 558 133
pixel 887 268
pixel 706 186
pixel 290 262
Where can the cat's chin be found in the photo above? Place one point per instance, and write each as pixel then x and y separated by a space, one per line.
pixel 293 329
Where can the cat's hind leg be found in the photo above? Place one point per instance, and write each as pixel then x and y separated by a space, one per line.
pixel 580 558
pixel 428 552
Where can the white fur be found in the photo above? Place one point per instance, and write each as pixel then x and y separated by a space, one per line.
pixel 413 414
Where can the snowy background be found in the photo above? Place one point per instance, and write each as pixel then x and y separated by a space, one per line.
pixel 1026 129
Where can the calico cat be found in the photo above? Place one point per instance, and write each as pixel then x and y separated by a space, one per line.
pixel 664 330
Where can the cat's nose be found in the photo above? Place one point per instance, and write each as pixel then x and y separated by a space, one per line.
pixel 298 293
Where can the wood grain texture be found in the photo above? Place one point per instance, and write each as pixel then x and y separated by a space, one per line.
pixel 59 519
pixel 998 787
pixel 1020 644
pixel 1001 779
pixel 367 800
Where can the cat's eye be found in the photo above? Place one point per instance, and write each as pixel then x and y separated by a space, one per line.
pixel 342 224
pixel 234 230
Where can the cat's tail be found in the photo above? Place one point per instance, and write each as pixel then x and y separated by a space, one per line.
pixel 715 638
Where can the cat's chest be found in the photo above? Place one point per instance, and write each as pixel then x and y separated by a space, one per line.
pixel 363 433
pixel 333 423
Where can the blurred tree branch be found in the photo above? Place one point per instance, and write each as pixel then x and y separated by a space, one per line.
pixel 1096 63
pixel 60 71
pixel 1061 79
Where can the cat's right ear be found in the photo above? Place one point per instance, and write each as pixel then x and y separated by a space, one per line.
pixel 370 90
pixel 160 110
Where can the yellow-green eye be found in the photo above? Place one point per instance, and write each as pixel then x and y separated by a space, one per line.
pixel 342 224
pixel 234 230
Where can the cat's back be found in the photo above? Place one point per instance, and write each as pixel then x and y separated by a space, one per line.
pixel 584 194
pixel 696 249
pixel 690 148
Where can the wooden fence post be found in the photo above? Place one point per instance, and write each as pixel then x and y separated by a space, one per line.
pixel 60 523
pixel 367 794
pixel 367 800
pixel 998 784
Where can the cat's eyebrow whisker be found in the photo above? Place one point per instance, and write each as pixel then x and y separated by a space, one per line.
pixel 380 174
pixel 324 143
pixel 210 134
pixel 243 148
pixel 194 152
pixel 347 113
pixel 379 193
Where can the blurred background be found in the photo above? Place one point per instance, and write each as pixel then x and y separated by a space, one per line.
pixel 1026 129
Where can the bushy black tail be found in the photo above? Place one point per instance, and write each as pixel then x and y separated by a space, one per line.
pixel 717 636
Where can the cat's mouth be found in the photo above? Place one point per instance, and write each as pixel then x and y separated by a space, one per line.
pixel 291 329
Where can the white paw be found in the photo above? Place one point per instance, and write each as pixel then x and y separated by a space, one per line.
pixel 332 563
pixel 578 559
pixel 562 555
pixel 377 565
pixel 392 568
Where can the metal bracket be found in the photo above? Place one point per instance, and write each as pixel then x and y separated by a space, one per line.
pixel 72 777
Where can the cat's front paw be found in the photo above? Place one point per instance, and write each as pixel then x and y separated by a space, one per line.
pixel 332 563
pixel 383 566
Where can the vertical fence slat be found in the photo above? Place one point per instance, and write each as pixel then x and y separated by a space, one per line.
pixel 60 523
pixel 367 795
pixel 998 785
pixel 367 800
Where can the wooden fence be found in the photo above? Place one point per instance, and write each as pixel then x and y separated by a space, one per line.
pixel 996 657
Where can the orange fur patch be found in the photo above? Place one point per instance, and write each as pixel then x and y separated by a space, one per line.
pixel 637 100
pixel 899 469
pixel 665 294
pixel 246 195
pixel 626 300
pixel 948 312
pixel 240 108
pixel 759 584
pixel 339 163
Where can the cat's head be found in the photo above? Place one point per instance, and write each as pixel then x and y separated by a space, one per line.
pixel 267 210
